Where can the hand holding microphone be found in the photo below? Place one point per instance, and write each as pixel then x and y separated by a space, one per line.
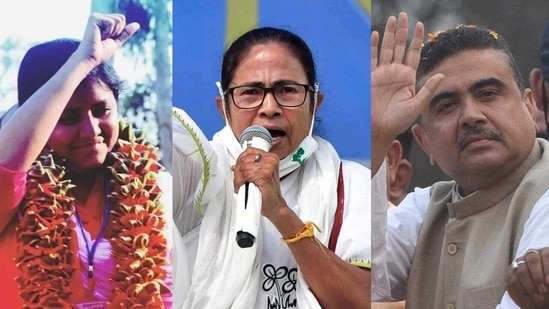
pixel 248 205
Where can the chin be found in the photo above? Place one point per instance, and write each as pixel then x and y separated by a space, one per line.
pixel 88 164
pixel 281 153
pixel 86 169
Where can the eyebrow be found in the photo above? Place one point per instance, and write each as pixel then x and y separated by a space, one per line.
pixel 491 81
pixel 274 84
pixel 284 81
pixel 101 103
pixel 442 96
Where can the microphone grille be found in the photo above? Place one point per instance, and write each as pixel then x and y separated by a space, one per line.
pixel 256 131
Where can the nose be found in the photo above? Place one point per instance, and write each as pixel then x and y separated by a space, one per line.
pixel 270 107
pixel 89 126
pixel 472 113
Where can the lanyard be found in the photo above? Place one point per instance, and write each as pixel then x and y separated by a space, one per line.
pixel 91 252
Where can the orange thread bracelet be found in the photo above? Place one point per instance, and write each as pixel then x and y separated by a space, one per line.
pixel 307 231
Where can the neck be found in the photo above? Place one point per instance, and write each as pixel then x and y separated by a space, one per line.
pixel 84 183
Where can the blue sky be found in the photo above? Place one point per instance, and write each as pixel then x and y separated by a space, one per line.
pixel 338 33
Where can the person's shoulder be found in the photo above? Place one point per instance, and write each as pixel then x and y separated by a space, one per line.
pixel 355 172
pixel 544 144
pixel 187 137
pixel 355 167
pixel 165 178
pixel 444 185
pixel 181 118
pixel 164 181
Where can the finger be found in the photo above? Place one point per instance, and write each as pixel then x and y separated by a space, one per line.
pixel 119 25
pixel 523 274
pixel 545 258
pixel 245 157
pixel 535 267
pixel 114 26
pixel 238 170
pixel 248 161
pixel 514 286
pixel 400 38
pixel 237 182
pixel 387 44
pixel 414 50
pixel 374 41
pixel 426 93
pixel 105 23
pixel 117 22
pixel 257 157
pixel 128 32
pixel 243 174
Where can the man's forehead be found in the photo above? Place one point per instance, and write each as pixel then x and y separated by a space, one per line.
pixel 470 66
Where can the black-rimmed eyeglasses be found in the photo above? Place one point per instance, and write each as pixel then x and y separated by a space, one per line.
pixel 287 95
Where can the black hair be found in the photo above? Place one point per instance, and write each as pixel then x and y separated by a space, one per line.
pixel 42 61
pixel 450 42
pixel 240 47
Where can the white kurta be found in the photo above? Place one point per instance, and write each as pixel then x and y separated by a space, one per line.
pixel 393 254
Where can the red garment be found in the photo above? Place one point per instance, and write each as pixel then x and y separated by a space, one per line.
pixel 12 189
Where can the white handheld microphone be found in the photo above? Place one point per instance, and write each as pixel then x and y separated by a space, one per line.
pixel 248 207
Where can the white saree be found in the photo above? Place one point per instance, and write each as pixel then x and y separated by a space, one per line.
pixel 223 274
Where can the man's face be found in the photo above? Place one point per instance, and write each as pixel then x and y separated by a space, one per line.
pixel 479 126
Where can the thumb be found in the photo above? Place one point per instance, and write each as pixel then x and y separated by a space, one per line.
pixel 426 93
pixel 127 33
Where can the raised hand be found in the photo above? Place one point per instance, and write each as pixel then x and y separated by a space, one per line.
pixel 104 35
pixel 395 104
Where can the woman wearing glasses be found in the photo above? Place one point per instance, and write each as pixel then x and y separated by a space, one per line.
pixel 312 248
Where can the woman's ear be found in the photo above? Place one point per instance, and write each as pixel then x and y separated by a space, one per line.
pixel 319 100
pixel 220 108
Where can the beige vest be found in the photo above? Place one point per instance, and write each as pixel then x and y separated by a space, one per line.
pixel 465 245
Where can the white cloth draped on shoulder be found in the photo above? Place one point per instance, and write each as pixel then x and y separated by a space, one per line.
pixel 225 275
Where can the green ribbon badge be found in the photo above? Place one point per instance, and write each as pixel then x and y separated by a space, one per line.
pixel 297 155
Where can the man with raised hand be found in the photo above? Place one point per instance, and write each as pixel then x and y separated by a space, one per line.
pixel 451 245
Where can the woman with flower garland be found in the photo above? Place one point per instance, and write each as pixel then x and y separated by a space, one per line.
pixel 82 218
pixel 313 245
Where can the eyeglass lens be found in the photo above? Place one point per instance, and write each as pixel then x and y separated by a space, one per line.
pixel 286 95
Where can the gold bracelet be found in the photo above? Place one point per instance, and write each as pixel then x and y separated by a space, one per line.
pixel 307 231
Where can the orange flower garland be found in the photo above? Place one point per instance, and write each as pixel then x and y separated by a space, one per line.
pixel 432 37
pixel 138 242
pixel 45 260
pixel 139 247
